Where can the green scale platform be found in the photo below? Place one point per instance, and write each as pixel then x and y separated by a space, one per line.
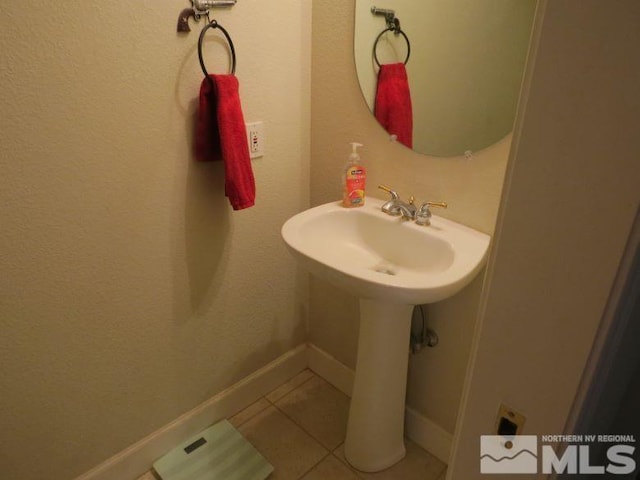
pixel 218 453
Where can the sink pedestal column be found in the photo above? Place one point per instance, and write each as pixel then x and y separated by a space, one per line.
pixel 375 430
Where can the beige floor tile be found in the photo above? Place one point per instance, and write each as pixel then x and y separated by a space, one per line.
pixel 147 476
pixel 249 412
pixel 416 465
pixel 289 386
pixel 320 409
pixel 308 421
pixel 330 469
pixel 290 450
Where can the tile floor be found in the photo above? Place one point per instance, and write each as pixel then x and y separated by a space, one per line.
pixel 300 429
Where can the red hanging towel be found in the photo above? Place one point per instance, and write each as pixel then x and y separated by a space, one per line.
pixel 393 102
pixel 221 133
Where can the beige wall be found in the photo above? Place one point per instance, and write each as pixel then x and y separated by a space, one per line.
pixel 129 290
pixel 570 200
pixel 471 187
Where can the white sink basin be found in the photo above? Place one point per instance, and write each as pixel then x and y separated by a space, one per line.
pixel 391 264
pixel 374 255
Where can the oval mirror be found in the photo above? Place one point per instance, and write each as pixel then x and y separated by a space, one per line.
pixel 464 68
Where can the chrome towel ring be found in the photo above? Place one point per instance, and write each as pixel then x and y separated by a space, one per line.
pixel 215 24
pixel 395 28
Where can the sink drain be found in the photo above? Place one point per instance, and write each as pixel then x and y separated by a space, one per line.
pixel 385 268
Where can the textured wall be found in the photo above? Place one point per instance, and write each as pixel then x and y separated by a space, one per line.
pixel 130 292
pixel 570 201
pixel 471 187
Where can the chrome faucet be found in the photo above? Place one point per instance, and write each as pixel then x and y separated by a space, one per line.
pixel 398 208
pixel 423 215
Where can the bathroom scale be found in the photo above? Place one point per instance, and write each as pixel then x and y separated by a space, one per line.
pixel 218 453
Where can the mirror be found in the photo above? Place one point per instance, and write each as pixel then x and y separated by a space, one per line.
pixel 464 70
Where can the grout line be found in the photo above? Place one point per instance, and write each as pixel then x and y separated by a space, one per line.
pixel 254 414
pixel 314 466
pixel 289 392
pixel 329 449
pixel 317 440
pixel 344 462
pixel 293 389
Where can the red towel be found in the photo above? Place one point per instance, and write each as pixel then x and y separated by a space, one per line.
pixel 393 102
pixel 221 133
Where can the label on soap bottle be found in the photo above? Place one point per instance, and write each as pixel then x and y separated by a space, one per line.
pixel 354 186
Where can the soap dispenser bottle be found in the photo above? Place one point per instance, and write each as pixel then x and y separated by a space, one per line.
pixel 353 179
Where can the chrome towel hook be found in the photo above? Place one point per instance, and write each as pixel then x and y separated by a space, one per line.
pixel 200 8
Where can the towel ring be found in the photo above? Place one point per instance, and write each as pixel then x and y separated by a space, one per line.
pixel 215 24
pixel 395 30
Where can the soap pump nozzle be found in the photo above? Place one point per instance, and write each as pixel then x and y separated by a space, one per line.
pixel 354 151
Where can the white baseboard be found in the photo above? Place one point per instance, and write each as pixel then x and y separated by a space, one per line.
pixel 332 370
pixel 418 428
pixel 137 459
pixel 429 435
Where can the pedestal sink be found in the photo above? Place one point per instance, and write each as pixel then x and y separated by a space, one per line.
pixel 391 264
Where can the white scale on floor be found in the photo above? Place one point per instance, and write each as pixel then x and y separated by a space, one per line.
pixel 218 453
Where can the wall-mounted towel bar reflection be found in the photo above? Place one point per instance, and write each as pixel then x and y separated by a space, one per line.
pixel 393 25
pixel 198 9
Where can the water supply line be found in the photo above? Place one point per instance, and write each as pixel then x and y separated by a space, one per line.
pixel 422 336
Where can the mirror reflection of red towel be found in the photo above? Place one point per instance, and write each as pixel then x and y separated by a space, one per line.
pixel 393 102
pixel 220 133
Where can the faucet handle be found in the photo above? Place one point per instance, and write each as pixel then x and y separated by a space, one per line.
pixel 434 204
pixel 423 215
pixel 393 193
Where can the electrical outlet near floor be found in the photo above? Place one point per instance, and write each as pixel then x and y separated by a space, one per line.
pixel 255 138
pixel 509 422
